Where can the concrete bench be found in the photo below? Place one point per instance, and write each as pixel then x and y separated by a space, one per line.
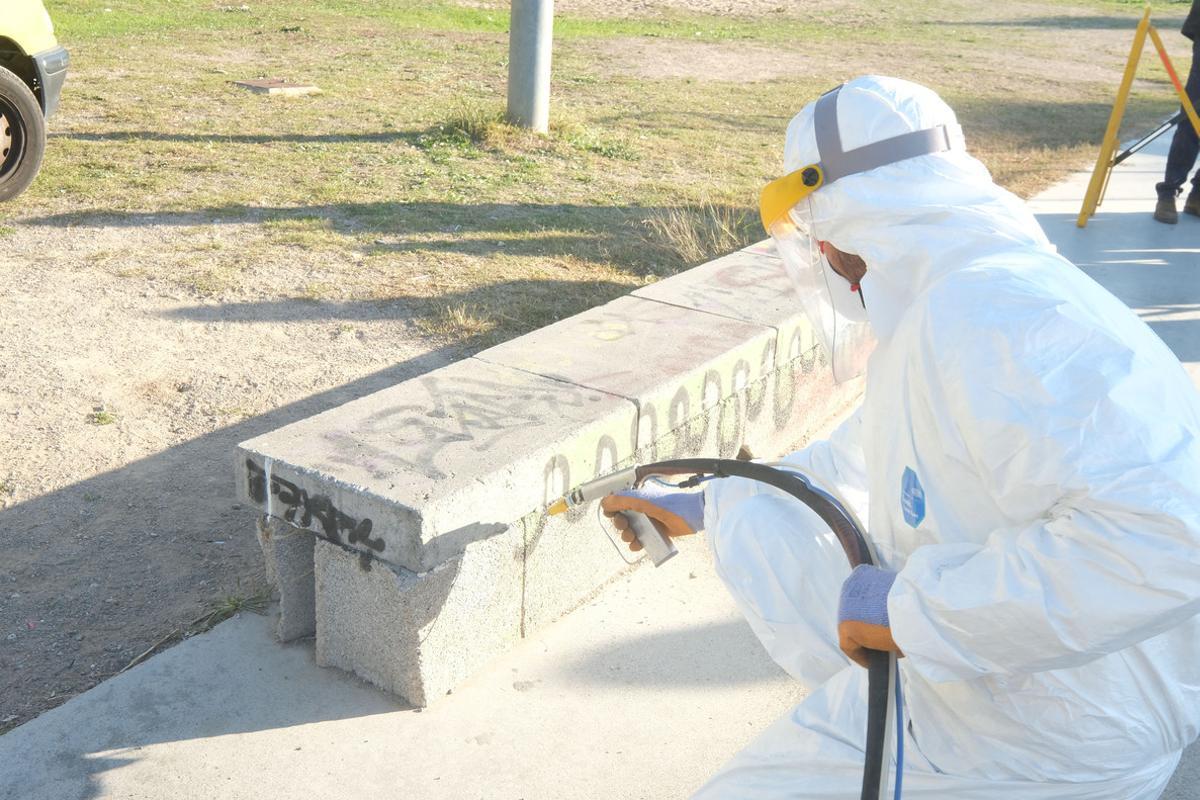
pixel 405 529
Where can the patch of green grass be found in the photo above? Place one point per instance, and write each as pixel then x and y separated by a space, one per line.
pixel 474 124
pixel 316 291
pixel 589 139
pixel 7 230
pixel 304 231
pixel 230 605
pixel 101 417
pixel 78 19
pixel 207 283
pixel 124 18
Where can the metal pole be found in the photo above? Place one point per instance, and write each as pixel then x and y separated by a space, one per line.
pixel 530 29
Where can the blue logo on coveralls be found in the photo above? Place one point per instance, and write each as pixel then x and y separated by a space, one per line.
pixel 912 498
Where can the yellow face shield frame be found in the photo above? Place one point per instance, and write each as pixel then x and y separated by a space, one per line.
pixel 782 194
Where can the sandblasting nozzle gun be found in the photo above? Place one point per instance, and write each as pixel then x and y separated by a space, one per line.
pixel 658 546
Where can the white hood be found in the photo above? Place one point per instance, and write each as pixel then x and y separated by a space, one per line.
pixel 914 220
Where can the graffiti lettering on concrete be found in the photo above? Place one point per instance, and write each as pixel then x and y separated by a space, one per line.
pixel 302 509
pixel 478 418
pixel 475 414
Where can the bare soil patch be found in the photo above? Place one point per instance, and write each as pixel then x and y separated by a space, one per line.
pixel 1060 63
pixel 846 12
pixel 120 404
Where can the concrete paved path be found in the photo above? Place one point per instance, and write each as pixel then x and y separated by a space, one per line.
pixel 640 694
pixel 1154 268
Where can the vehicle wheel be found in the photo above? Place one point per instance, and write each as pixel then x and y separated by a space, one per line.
pixel 22 135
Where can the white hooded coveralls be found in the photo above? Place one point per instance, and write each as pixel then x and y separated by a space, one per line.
pixel 1027 456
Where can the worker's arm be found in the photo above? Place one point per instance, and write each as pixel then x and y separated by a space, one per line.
pixel 673 512
pixel 837 464
pixel 1093 447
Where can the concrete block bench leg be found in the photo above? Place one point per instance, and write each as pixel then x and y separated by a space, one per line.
pixel 288 552
pixel 418 635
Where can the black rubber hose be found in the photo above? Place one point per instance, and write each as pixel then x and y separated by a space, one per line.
pixel 853 543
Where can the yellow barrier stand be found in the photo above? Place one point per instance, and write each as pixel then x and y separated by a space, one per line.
pixel 1104 162
pixel 1184 100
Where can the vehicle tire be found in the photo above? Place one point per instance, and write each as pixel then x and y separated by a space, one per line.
pixel 22 135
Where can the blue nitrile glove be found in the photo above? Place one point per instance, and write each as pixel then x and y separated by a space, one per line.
pixel 863 614
pixel 674 512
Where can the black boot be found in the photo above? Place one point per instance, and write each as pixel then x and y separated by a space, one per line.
pixel 1165 210
pixel 1192 205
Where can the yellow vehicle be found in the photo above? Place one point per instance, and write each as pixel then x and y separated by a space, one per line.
pixel 32 70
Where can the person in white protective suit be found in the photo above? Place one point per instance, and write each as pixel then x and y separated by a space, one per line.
pixel 1026 458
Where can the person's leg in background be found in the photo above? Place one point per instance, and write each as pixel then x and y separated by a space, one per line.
pixel 1192 205
pixel 1182 156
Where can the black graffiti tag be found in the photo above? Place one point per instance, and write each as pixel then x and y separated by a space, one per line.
pixel 301 508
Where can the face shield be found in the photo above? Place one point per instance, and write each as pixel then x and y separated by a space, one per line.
pixel 836 310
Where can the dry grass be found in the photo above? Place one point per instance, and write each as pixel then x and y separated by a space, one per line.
pixel 697 233
pixel 217 611
pixel 230 605
pixel 461 321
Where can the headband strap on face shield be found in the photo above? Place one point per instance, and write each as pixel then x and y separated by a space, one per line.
pixel 781 194
pixel 838 163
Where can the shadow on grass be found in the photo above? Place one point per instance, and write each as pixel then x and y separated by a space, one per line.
pixel 500 310
pixel 690 120
pixel 366 137
pixel 1022 124
pixel 1102 22
pixel 616 234
pixel 1036 125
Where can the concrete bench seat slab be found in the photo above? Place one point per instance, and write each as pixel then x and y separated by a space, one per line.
pixel 414 473
pixel 675 363
pixel 749 285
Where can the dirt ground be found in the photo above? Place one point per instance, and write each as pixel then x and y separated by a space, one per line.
pixel 846 11
pixel 117 534
pixel 157 306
